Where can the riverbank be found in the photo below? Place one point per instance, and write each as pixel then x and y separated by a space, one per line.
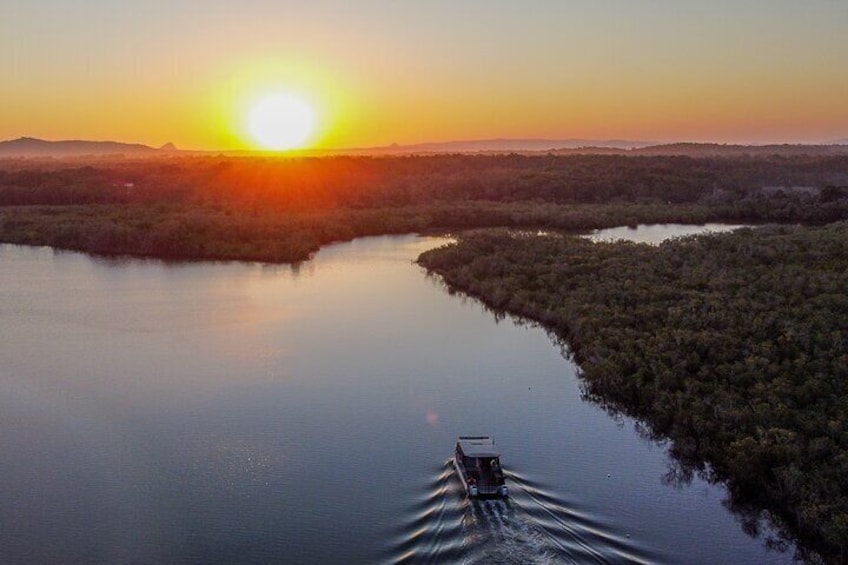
pixel 730 345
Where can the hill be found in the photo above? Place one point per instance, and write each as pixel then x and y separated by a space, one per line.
pixel 501 145
pixel 724 150
pixel 32 147
pixel 597 147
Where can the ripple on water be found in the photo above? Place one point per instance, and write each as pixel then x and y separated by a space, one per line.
pixel 534 525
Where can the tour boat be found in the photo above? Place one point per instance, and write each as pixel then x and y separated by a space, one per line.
pixel 479 467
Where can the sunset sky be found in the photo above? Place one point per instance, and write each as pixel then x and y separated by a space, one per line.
pixel 407 71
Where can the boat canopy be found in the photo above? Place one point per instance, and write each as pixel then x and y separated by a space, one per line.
pixel 478 446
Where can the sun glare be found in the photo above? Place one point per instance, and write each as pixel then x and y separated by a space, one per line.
pixel 281 121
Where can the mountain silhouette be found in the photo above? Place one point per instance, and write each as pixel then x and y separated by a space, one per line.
pixel 32 147
pixel 508 144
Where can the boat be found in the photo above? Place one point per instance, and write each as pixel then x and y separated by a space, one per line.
pixel 478 464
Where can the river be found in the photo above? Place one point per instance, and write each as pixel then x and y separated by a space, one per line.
pixel 233 412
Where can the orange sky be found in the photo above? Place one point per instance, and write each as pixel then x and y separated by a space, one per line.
pixel 388 71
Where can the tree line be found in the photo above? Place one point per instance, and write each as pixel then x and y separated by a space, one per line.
pixel 313 183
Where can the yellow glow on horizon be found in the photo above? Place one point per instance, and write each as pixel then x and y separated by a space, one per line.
pixel 243 82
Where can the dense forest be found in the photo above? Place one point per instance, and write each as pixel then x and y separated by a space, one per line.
pixel 734 346
pixel 312 183
pixel 274 209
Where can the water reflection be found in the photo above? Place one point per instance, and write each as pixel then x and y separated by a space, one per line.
pixel 214 413
pixel 655 234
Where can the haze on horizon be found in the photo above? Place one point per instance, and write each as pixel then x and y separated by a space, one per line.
pixel 381 71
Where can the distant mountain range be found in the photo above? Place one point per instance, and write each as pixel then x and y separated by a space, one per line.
pixel 729 150
pixel 506 145
pixel 595 147
pixel 31 147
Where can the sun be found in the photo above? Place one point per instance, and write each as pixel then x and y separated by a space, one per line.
pixel 281 121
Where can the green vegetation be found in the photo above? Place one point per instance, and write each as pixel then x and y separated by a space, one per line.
pixel 315 183
pixel 224 233
pixel 282 210
pixel 733 346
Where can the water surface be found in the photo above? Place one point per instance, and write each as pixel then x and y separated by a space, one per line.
pixel 655 234
pixel 229 412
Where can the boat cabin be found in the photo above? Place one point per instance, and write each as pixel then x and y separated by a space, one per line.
pixel 478 462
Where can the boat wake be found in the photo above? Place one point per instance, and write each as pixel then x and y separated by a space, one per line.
pixel 532 526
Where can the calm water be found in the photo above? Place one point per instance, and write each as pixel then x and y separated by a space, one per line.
pixel 657 233
pixel 220 413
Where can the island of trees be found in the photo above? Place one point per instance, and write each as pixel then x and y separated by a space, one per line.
pixel 731 346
